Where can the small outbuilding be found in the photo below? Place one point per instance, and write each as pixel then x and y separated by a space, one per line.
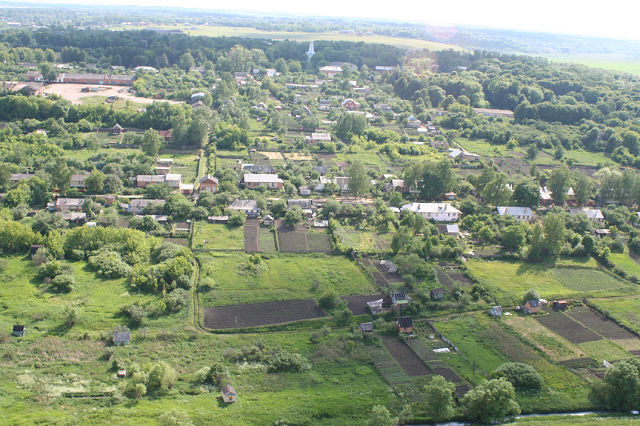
pixel 405 325
pixel 19 330
pixel 121 336
pixel 366 327
pixel 34 249
pixel 496 311
pixel 400 298
pixel 229 394
pixel 375 306
pixel 532 306
pixel 268 220
pixel 122 373
pixel 437 294
pixel 560 305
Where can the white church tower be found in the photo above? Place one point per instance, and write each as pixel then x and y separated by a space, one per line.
pixel 310 52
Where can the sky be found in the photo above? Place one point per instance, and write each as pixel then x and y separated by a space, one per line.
pixel 611 18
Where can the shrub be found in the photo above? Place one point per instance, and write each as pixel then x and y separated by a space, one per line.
pixel 329 300
pixel 176 300
pixel 109 264
pixel 52 269
pixel 237 218
pixel 136 314
pixel 523 377
pixel 63 283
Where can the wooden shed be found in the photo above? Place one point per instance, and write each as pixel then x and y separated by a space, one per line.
pixel 229 394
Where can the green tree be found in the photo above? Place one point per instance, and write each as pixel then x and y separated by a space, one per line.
pixel 526 194
pixel 380 416
pixel 582 187
pixel 620 390
pixel 491 401
pixel 554 231
pixel 151 143
pixel 522 376
pixel 161 378
pixel 186 61
pixel 359 181
pixel 531 295
pixel 513 237
pixel 293 216
pixel 559 184
pixel 95 182
pixel 438 398
pixel 536 244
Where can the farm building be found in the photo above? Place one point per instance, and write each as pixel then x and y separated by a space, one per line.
pixel 19 330
pixel 496 311
pixel 33 89
pixel 121 336
pixel 254 181
pixel 318 137
pixel 229 394
pixel 389 266
pixel 365 327
pixel 405 325
pixel 400 298
pixel 524 214
pixel 248 207
pixel 532 306
pixel 440 212
pixel 437 293
pixel 208 183
pixel 101 79
pixel 218 219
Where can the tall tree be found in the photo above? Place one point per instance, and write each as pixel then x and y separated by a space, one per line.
pixel 582 187
pixel 491 401
pixel 559 184
pixel 359 181
pixel 526 194
pixel 438 398
pixel 151 143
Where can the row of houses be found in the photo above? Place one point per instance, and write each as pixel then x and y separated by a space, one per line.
pixel 85 78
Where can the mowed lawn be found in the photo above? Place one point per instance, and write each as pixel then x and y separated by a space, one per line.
pixel 214 236
pixel 224 278
pixel 626 263
pixel 510 280
pixel 24 299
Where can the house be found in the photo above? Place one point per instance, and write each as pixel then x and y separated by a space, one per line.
pixel 450 196
pixel 66 204
pixel 524 214
pixel 318 137
pixel 229 394
pixel 19 330
pixel 122 373
pixel 400 298
pixel 160 218
pixel 140 205
pixel 165 162
pixel 116 130
pixel 163 170
pixel 186 188
pixel 33 89
pixel 389 266
pixel 488 112
pixel 413 123
pixel 77 218
pixel 375 306
pixel 240 77
pixel 592 214
pixel 78 180
pixel 405 325
pixel 382 69
pixel 437 293
pixel 304 204
pixel 17 177
pixel 496 311
pixel 271 181
pixel 532 306
pixel 248 207
pixel 196 97
pixel 218 219
pixel 208 184
pixel 600 233
pixel 330 71
pixel 351 105
pixel 268 220
pixel 173 180
pixel 365 327
pixel 166 134
pixel 382 107
pixel 546 199
pixel 34 76
pixel 440 212
pixel 257 168
pixel 321 223
pixel 450 230
pixel 396 185
pixel 304 191
pixel 121 336
pixel 560 305
pixel 322 170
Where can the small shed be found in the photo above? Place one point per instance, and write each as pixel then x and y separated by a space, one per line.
pixel 34 249
pixel 18 330
pixel 229 394
pixel 405 325
pixel 560 305
pixel 121 336
pixel 122 373
pixel 437 294
pixel 366 327
pixel 116 130
pixel 532 306
pixel 400 298
pixel 218 219
pixel 389 266
pixel 496 311
pixel 375 306
pixel 268 220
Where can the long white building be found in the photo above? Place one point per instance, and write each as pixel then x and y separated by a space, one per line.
pixel 440 212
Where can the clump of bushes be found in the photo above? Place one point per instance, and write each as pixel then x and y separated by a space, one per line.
pixel 109 263
pixel 276 359
pixel 152 379
pixel 523 377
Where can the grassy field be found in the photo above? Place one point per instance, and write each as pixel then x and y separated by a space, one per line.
pixel 364 241
pixel 24 299
pixel 626 310
pixel 511 280
pixel 228 31
pixel 626 263
pixel 280 277
pixel 186 165
pixel 489 344
pixel 211 236
pixel 485 149
pixel 605 61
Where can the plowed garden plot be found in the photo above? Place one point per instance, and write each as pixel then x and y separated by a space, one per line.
pixel 302 240
pixel 259 314
pixel 391 277
pixel 423 352
pixel 448 374
pixel 358 304
pixel 636 353
pixel 566 327
pixel 462 390
pixel 387 366
pixel 600 324
pixel 407 359
pixel 579 363
pixel 251 228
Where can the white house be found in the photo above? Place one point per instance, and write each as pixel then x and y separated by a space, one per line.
pixel 524 214
pixel 593 214
pixel 440 212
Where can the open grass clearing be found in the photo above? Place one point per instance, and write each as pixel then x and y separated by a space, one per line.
pixel 604 350
pixel 587 280
pixel 279 277
pixel 625 262
pixel 214 236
